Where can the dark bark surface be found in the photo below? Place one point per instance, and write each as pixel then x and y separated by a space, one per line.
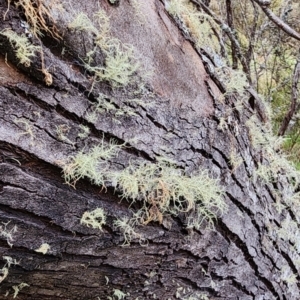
pixel 240 258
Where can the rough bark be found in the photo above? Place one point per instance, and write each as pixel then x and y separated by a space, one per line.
pixel 238 259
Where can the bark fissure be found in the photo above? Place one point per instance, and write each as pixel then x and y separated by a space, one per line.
pixel 225 231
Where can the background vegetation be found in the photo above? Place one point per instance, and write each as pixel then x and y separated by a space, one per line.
pixel 268 55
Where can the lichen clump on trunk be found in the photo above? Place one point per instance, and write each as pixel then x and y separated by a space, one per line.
pixel 160 188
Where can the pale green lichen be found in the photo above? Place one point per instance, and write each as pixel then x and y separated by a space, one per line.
pixel 119 64
pixel 24 49
pixel 85 131
pixel 167 190
pixel 8 233
pixel 162 188
pixel 196 23
pixel 44 248
pixel 119 294
pixel 95 218
pixel 82 23
pixel 62 131
pixel 235 81
pixel 127 227
pixel 275 161
pixel 235 159
pixel 18 288
pixel 91 164
pixel 5 269
pixel 118 69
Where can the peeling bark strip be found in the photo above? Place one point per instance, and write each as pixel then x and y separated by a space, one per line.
pixel 249 254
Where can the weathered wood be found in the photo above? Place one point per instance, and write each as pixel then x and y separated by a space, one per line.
pixel 239 259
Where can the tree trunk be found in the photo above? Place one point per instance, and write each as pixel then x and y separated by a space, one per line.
pixel 179 117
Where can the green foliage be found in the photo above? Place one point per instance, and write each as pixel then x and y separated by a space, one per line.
pixel 271 56
pixel 291 145
pixel 95 218
pixel 24 49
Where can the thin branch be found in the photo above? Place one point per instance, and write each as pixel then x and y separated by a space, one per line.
pixel 294 97
pixel 252 35
pixel 229 33
pixel 276 20
pixel 230 24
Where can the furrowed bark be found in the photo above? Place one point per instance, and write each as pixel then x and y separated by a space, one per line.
pixel 239 259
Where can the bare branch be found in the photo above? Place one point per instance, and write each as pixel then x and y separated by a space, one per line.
pixel 230 24
pixel 230 34
pixel 276 20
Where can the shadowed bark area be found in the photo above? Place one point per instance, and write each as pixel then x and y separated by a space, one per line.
pixel 178 117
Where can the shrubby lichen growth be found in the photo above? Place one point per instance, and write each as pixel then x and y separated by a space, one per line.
pixel 18 288
pixel 8 233
pixel 95 218
pixel 118 294
pixel 5 269
pixel 165 189
pixel 276 162
pixel 38 15
pixel 127 228
pixel 272 166
pixel 84 133
pixel 83 23
pixel 119 67
pixel 120 64
pixel 198 24
pixel 235 81
pixel 24 49
pixel 109 60
pixel 276 170
pixel 161 188
pixel 92 164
